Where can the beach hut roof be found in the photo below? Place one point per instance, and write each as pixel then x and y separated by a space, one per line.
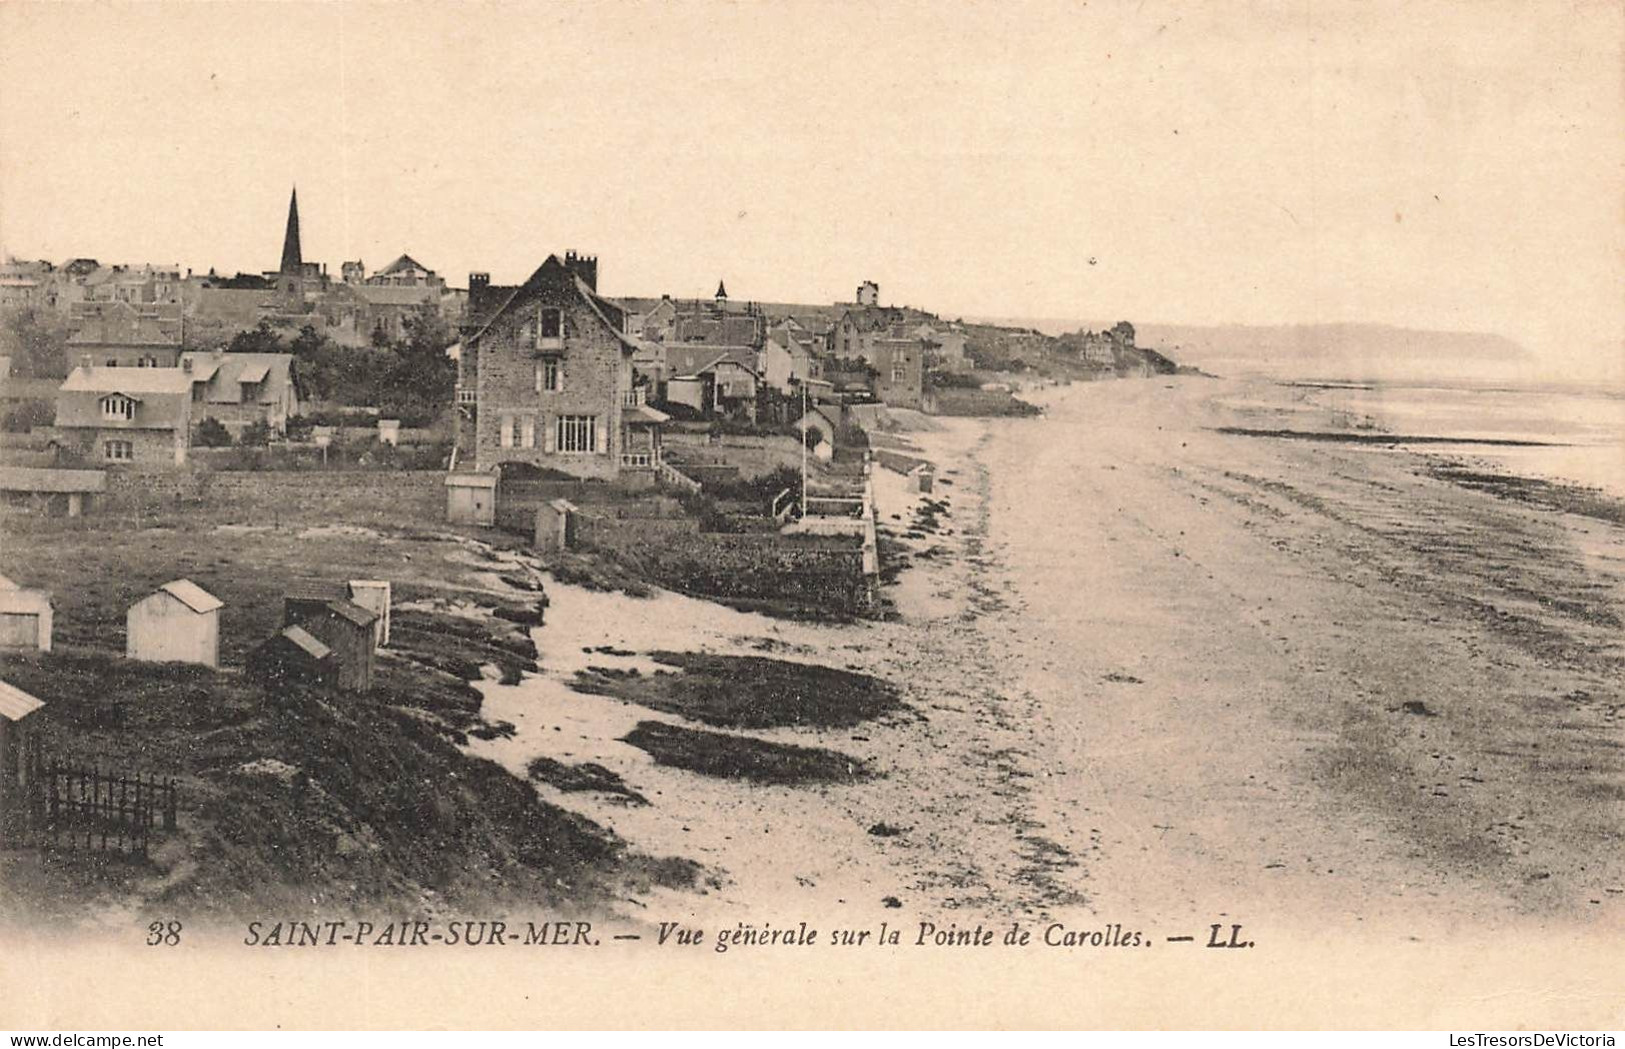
pixel 25 602
pixel 15 704
pixel 192 596
pixel 306 641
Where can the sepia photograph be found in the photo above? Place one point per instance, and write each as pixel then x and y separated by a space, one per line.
pixel 814 515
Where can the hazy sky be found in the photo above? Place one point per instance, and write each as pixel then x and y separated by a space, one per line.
pixel 1441 165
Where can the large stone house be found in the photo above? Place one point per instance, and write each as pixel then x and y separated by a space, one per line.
pixel 240 389
pixel 123 335
pixel 126 415
pixel 550 367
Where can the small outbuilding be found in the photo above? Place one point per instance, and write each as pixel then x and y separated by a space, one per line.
pixel 341 625
pixel 293 656
pixel 373 595
pixel 471 498
pixel 177 623
pixel 52 491
pixel 19 757
pixel 25 620
pixel 555 525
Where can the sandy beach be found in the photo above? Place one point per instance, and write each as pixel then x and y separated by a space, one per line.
pixel 1163 675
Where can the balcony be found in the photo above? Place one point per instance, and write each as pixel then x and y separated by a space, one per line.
pixel 637 397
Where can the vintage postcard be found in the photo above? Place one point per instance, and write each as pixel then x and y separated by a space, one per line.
pixel 812 515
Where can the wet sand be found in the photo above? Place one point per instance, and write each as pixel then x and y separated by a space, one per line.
pixel 1166 676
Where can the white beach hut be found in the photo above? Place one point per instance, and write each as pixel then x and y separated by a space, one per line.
pixel 177 623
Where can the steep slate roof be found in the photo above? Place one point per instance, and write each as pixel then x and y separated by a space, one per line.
pixel 405 262
pixel 226 372
pixel 128 381
pixel 192 596
pixel 613 316
pixel 15 704
pixel 125 325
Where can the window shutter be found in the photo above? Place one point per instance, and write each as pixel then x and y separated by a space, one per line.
pixel 540 368
pixel 529 431
pixel 550 437
pixel 506 437
pixel 592 433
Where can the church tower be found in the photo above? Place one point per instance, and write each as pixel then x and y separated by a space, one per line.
pixel 293 263
pixel 290 278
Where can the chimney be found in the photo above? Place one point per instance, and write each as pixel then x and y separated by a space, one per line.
pixel 84 361
pixel 186 365
pixel 477 283
pixel 583 266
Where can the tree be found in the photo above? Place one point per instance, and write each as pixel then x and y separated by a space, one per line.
pixel 37 343
pixel 262 339
pixel 211 433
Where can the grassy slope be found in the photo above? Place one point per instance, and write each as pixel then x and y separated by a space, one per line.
pixel 344 797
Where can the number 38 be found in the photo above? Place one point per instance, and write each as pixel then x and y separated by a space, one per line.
pixel 163 934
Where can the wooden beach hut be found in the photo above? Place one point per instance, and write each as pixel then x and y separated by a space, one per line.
pixel 177 623
pixel 374 596
pixel 25 620
pixel 19 754
pixel 293 656
pixel 343 626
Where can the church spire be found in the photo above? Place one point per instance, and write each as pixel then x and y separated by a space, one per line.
pixel 292 260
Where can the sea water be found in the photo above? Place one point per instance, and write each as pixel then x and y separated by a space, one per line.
pixel 1581 430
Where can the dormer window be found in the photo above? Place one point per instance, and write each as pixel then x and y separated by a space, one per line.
pixel 117 406
pixel 550 329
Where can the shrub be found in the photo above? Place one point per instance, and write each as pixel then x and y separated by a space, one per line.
pixel 257 434
pixel 211 433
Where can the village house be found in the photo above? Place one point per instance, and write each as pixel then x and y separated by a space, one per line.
pixel 945 347
pixel 25 620
pixel 790 356
pixel 868 294
pixel 145 283
pixel 713 382
pixel 177 623
pixel 718 324
pixel 551 370
pixel 126 415
pixel 240 389
pixel 899 365
pixel 344 627
pixel 121 335
pixel 406 272
pixel 19 757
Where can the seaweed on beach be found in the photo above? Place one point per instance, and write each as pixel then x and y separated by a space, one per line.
pixel 727 756
pixel 1548 495
pixel 587 776
pixel 748 691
